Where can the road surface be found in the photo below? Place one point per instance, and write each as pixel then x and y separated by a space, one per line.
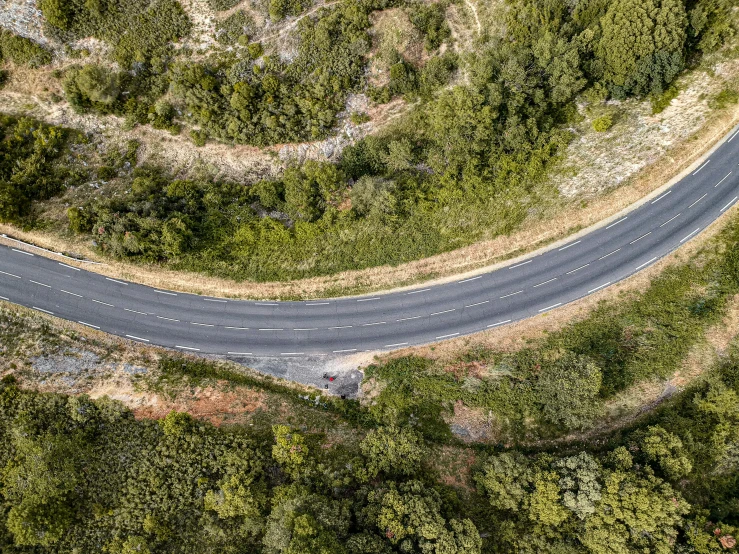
pixel 239 328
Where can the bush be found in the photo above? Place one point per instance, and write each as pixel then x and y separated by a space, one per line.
pixel 22 51
pixel 603 123
pixel 723 99
pixel 660 102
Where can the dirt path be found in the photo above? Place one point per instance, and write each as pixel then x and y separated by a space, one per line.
pixel 294 23
pixel 473 9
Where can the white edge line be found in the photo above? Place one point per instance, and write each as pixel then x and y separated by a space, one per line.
pixel 394 345
pixel 645 263
pixel 6 237
pixel 732 136
pixel 566 247
pixel 701 167
pixel 690 235
pixel 292 353
pixel 368 299
pixel 318 304
pixel 165 292
pixel 240 353
pixel 600 287
pixel 519 265
pixel 347 350
pixel 729 204
pixel 265 304
pixel 69 266
pixel 187 348
pixel 214 300
pixel 619 221
pixel 447 336
pixel 661 197
pixel 418 291
pixel 3 298
pixel 470 279
pixel 42 310
pixel 22 252
pixel 550 307
pixel 499 323
pixel 116 281
pixel 89 325
pixel 136 338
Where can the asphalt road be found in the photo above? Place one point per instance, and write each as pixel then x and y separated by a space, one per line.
pixel 239 328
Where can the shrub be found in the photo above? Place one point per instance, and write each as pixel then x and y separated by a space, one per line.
pixel 723 99
pixel 660 102
pixel 603 123
pixel 22 51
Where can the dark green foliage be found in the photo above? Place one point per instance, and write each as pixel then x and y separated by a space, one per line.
pixel 430 19
pixel 231 30
pixel 724 98
pixel 660 102
pixel 138 30
pixel 30 165
pixel 22 51
pixel 222 5
pixel 279 9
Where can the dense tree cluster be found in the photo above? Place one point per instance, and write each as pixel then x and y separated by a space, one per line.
pixel 22 51
pixel 31 167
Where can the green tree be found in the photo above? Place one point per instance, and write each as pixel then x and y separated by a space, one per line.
pixel 666 449
pixel 568 391
pixel 289 450
pixel 391 450
pixel 641 49
pixel 373 195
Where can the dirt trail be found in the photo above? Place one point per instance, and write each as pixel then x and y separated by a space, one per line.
pixel 473 9
pixel 292 24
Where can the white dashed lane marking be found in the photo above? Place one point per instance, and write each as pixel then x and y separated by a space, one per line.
pixel 578 269
pixel 477 304
pixel 701 198
pixel 722 180
pixel 135 312
pixel 368 299
pixel 72 293
pixel 167 318
pixel 544 283
pixel 641 237
pixel 512 294
pixel 375 323
pixel 37 283
pixel 669 220
pixel 445 312
pixel 10 274
pixel 103 303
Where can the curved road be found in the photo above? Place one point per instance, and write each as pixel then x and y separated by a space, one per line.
pixel 239 328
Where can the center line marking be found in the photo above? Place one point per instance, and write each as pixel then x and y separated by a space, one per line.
pixel 545 282
pixel 115 281
pixel 519 265
pixel 478 304
pixel 444 312
pixel 238 328
pixel 347 350
pixel 409 318
pixel 137 338
pixel 666 222
pixel 701 198
pixel 368 299
pixel 42 310
pixel 271 329
pixel 376 323
pixel 470 279
pixel 604 257
pixel 512 294
pixel 600 287
pixel 619 221
pixel 394 345
pixel 566 247
pixel 69 266
pixel 21 252
pixel 240 353
pixel 135 312
pixel 499 323
pixel 10 274
pixel 202 324
pixel 165 292
pixel 37 283
pixel 341 327
pixel 187 348
pixel 446 336
pixel 730 203
pixel 89 325
pixel 578 269
pixel 690 235
pixel 550 307
pixel 311 329
pixel 167 318
pixel 73 294
pixel 645 263
pixel 724 179
pixel 103 303
pixel 641 237
pixel 661 197
pixel 418 291
pixel 701 167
